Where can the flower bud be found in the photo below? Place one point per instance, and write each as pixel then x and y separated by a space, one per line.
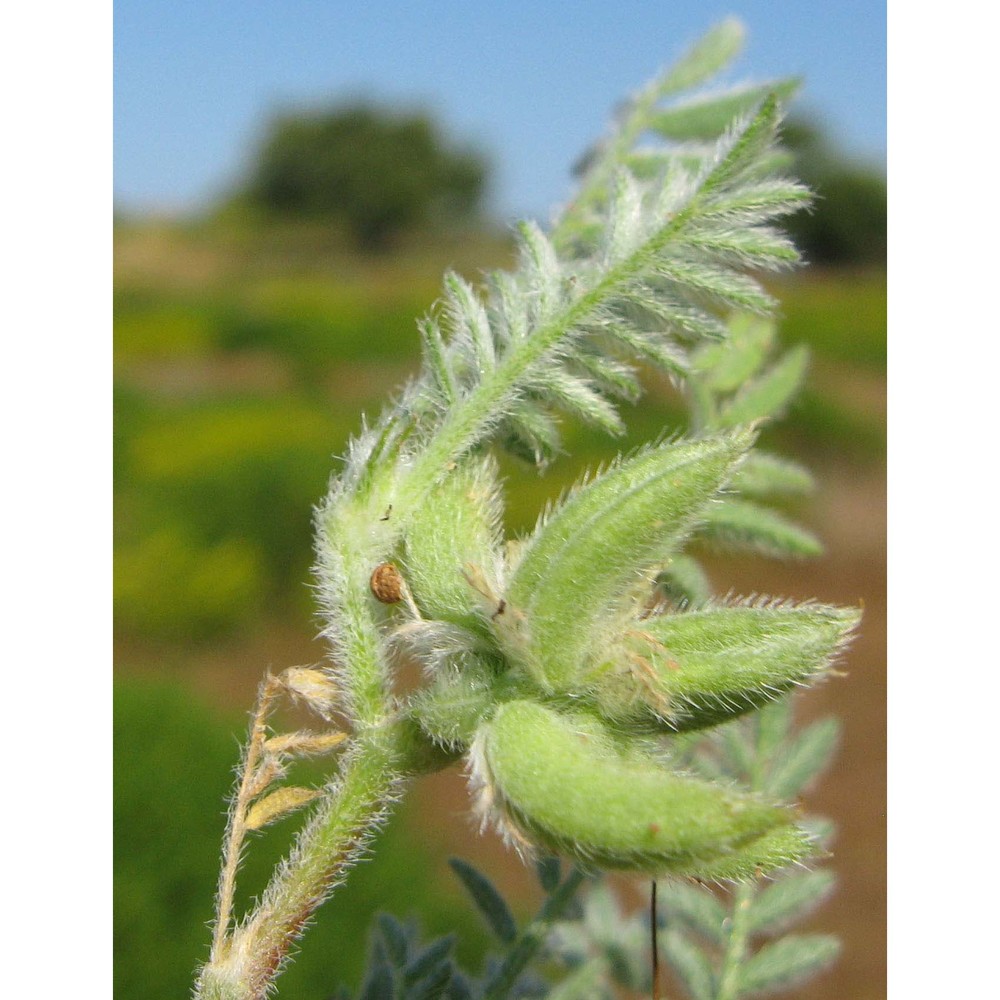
pixel 579 573
pixel 699 668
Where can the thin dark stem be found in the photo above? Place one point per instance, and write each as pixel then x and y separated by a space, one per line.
pixel 654 949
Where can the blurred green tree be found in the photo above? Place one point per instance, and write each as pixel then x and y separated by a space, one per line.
pixel 847 223
pixel 380 173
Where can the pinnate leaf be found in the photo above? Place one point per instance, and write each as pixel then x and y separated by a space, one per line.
pixel 792 896
pixel 807 756
pixel 691 964
pixel 696 906
pixel 488 900
pixel 788 961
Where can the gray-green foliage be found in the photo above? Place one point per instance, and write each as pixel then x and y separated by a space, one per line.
pixel 732 945
pixel 572 670
pixel 404 967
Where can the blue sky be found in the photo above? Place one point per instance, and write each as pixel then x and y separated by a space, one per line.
pixel 530 83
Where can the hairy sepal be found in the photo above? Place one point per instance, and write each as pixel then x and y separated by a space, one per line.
pixel 560 783
pixel 451 709
pixel 700 668
pixel 581 570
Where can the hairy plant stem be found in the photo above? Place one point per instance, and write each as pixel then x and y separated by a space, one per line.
pixel 385 749
pixel 369 782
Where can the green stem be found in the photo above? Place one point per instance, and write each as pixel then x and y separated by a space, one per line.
pixel 352 542
pixel 702 406
pixel 597 179
pixel 386 749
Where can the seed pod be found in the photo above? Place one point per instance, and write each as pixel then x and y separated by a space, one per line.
pixel 559 782
pixel 699 668
pixel 579 571
pixel 453 547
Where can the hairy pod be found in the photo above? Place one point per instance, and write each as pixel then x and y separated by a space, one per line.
pixel 579 572
pixel 452 555
pixel 699 668
pixel 559 782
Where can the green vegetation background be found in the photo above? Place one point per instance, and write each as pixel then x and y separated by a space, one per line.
pixel 243 358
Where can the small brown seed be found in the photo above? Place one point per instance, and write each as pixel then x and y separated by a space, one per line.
pixel 386 583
